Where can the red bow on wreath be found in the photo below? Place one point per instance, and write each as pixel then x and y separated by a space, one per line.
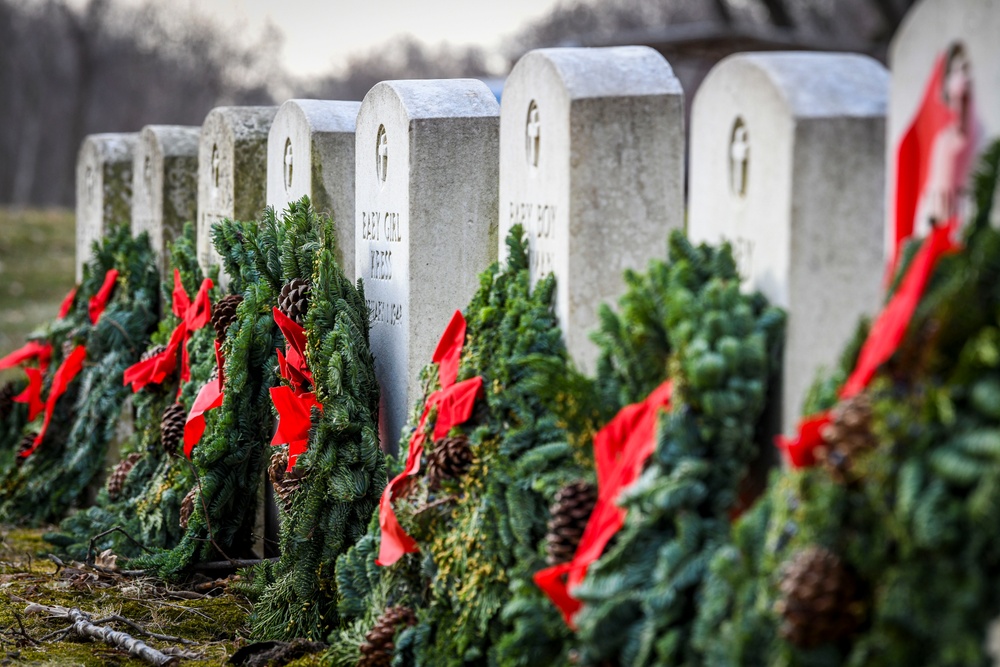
pixel 68 369
pixel 194 315
pixel 100 300
pixel 293 403
pixel 621 449
pixel 209 397
pixel 32 395
pixel 882 342
pixel 454 403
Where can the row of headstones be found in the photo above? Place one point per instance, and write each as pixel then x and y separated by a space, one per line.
pixel 424 179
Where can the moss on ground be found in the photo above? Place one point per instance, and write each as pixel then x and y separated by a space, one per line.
pixel 217 623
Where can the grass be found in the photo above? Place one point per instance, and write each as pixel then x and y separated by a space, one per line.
pixel 37 248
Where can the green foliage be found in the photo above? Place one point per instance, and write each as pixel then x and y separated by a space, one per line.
pixel 71 457
pixel 915 526
pixel 481 532
pixel 687 320
pixel 343 471
pixel 148 507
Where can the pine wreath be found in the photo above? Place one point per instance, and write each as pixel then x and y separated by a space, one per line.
pixel 69 459
pixel 149 508
pixel 479 518
pixel 910 524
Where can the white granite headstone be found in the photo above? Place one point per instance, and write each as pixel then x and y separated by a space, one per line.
pixel 787 165
pixel 164 185
pixel 961 35
pixel 426 198
pixel 592 166
pixel 310 151
pixel 232 171
pixel 103 189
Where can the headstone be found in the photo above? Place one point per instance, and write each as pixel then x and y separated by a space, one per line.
pixel 164 185
pixel 787 165
pixel 310 151
pixel 232 171
pixel 592 166
pixel 944 54
pixel 426 179
pixel 103 189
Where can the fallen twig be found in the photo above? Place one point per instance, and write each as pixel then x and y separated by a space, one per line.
pixel 142 630
pixel 92 550
pixel 83 626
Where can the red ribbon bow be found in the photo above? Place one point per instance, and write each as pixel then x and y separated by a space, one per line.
pixel 193 315
pixel 209 397
pixel 882 342
pixel 454 403
pixel 68 369
pixel 293 403
pixel 621 449
pixel 100 300
pixel 32 394
pixel 67 304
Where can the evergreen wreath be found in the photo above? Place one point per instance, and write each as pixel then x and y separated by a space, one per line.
pixel 903 501
pixel 147 504
pixel 326 500
pixel 47 477
pixel 685 320
pixel 478 510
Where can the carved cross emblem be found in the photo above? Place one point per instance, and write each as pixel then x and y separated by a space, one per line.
pixel 534 135
pixel 216 168
pixel 739 157
pixel 382 154
pixel 288 164
pixel 147 169
pixel 89 183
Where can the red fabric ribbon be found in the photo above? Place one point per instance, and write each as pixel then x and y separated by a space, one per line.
pixel 294 420
pixel 99 301
pixel 209 397
pixel 193 316
pixel 32 394
pixel 293 364
pixel 621 449
pixel 882 342
pixel 293 403
pixel 454 403
pixel 67 304
pixel 68 369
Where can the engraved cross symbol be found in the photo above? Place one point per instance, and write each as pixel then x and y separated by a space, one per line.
pixel 216 167
pixel 382 155
pixel 534 130
pixel 88 183
pixel 147 169
pixel 288 164
pixel 739 156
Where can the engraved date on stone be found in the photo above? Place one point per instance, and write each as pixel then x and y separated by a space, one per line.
pixel 385 312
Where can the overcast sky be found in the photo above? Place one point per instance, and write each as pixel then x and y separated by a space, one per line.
pixel 320 33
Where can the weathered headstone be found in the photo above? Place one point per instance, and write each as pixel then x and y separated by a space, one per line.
pixel 103 189
pixel 592 166
pixel 310 151
pixel 426 175
pixel 164 185
pixel 232 171
pixel 944 54
pixel 787 165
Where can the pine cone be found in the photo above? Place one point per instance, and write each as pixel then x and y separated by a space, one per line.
pixel 187 506
pixel 380 640
pixel 117 478
pixel 224 314
pixel 570 512
pixel 819 598
pixel 284 483
pixel 172 427
pixel 294 300
pixel 848 435
pixel 450 458
pixel 27 442
pixel 152 352
pixel 7 393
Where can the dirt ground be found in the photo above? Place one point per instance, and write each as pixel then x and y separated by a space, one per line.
pixel 201 624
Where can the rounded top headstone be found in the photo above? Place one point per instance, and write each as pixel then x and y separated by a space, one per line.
pixel 603 72
pixel 172 140
pixel 243 122
pixel 852 85
pixel 427 99
pixel 320 115
pixel 110 147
